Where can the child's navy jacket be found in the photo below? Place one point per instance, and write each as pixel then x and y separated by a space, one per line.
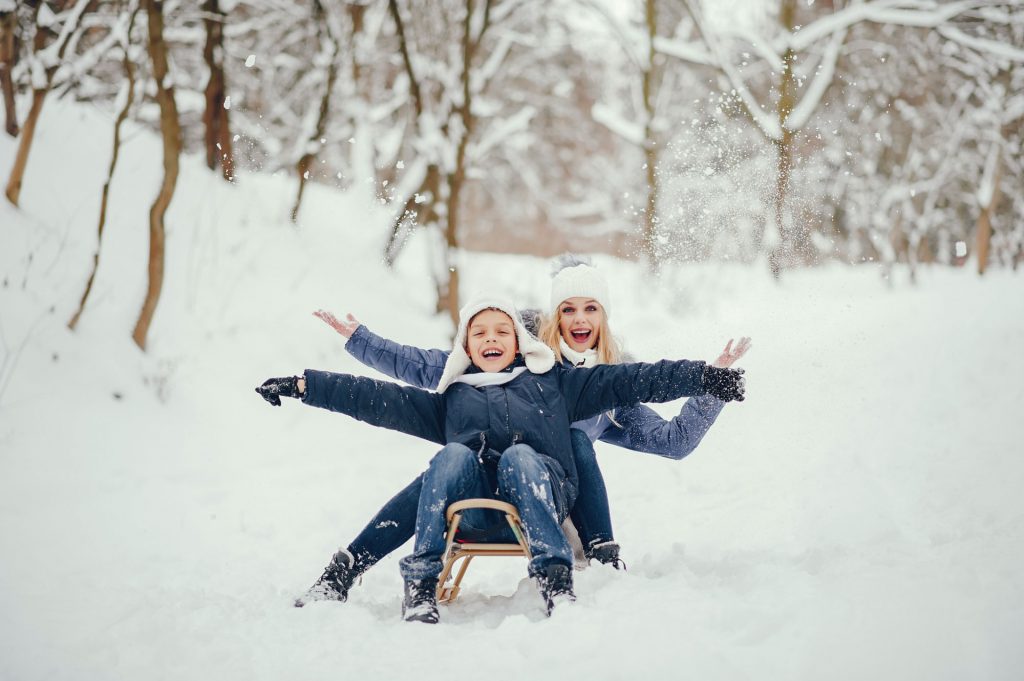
pixel 534 409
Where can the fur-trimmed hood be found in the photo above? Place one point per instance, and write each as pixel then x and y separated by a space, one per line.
pixel 538 356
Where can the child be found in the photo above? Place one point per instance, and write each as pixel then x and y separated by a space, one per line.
pixel 502 410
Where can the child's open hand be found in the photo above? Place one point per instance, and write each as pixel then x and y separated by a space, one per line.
pixel 731 355
pixel 345 328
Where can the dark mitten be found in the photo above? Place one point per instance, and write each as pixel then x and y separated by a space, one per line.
pixel 725 384
pixel 273 389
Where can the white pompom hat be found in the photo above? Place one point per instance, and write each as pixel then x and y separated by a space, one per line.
pixel 576 277
pixel 539 357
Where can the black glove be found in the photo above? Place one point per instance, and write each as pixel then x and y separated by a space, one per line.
pixel 725 384
pixel 274 388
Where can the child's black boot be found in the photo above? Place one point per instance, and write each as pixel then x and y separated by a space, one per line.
pixel 334 583
pixel 420 603
pixel 555 585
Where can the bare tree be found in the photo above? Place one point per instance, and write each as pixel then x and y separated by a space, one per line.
pixel 48 51
pixel 129 99
pixel 443 129
pixel 170 132
pixel 798 63
pixel 326 62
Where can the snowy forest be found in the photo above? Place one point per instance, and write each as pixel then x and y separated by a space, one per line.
pixel 789 133
pixel 189 182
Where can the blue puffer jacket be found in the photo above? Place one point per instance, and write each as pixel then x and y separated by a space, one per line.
pixel 635 427
pixel 534 409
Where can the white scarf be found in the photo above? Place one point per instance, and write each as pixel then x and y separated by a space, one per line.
pixel 485 378
pixel 587 358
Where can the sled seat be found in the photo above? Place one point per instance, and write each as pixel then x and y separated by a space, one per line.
pixel 465 551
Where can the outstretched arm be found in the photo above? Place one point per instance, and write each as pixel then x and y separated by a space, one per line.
pixel 407 363
pixel 379 403
pixel 589 392
pixel 642 429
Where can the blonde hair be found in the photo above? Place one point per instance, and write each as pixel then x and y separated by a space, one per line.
pixel 608 350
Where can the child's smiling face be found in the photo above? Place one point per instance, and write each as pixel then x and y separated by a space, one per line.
pixel 491 340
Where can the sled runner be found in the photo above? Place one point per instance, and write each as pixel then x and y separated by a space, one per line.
pixel 465 551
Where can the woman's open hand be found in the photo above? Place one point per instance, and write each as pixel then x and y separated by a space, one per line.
pixel 345 328
pixel 731 355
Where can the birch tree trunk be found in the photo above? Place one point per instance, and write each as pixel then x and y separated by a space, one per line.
pixel 170 132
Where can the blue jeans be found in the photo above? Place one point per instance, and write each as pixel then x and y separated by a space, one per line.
pixel 522 477
pixel 395 523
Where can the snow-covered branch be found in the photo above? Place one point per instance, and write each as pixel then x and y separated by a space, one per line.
pixel 628 130
pixel 684 51
pixel 993 47
pixel 919 13
pixel 823 78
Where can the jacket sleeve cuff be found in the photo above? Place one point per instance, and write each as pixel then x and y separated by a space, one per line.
pixel 357 342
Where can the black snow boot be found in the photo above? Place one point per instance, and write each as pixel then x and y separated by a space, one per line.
pixel 606 553
pixel 420 603
pixel 334 583
pixel 555 585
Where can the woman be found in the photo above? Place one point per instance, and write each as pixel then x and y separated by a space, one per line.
pixel 578 333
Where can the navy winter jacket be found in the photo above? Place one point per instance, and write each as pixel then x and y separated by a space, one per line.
pixel 636 427
pixel 534 409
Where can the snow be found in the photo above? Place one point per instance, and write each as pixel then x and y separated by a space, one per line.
pixel 859 516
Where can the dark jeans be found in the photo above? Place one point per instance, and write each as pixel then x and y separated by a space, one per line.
pixel 395 523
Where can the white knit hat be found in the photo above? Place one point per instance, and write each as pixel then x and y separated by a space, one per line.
pixel 576 277
pixel 539 357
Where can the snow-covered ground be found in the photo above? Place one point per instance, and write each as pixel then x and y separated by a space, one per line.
pixel 860 516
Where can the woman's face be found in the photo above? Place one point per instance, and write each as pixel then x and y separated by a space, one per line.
pixel 579 320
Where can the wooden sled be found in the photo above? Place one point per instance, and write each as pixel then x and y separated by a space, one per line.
pixel 455 551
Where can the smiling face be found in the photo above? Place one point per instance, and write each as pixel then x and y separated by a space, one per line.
pixel 491 340
pixel 580 320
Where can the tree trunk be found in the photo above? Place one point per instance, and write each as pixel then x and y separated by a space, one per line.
pixel 448 291
pixel 215 117
pixel 8 24
pixel 784 251
pixel 984 231
pixel 28 132
pixel 129 70
pixel 650 215
pixel 170 131
pixel 328 43
pixel 39 42
pixel 423 202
